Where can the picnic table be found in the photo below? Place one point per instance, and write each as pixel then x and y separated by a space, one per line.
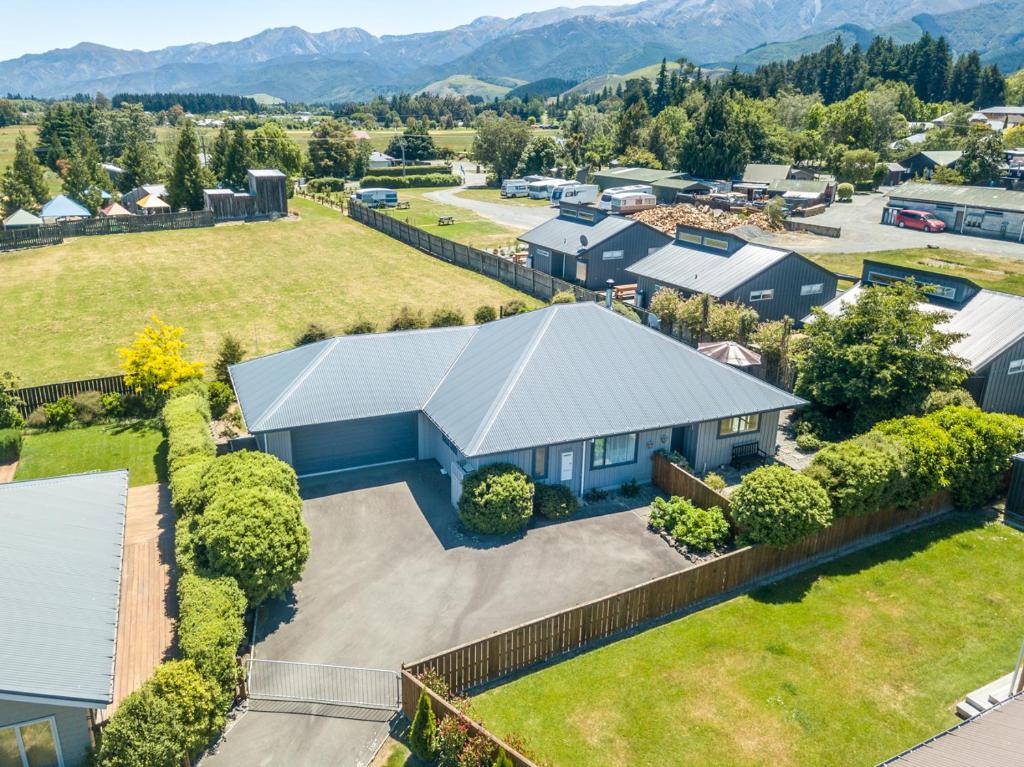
pixel 403 205
pixel 445 220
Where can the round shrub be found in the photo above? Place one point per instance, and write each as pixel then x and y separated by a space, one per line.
pixel 221 396
pixel 484 314
pixel 844 192
pixel 715 481
pixel 496 499
pixel 60 413
pixel 245 469
pixel 257 536
pixel 36 419
pixel 186 485
pixel 861 475
pixel 808 443
pixel 945 398
pixel 311 335
pixel 778 506
pixel 112 404
pixel 195 700
pixel 408 319
pixel 513 307
pixel 554 501
pixel 620 308
pixel 360 327
pixel 446 317
pixel 564 297
pixel 10 444
pixel 142 733
pixel 88 407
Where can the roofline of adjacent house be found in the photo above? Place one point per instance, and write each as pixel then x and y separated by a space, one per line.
pixel 54 700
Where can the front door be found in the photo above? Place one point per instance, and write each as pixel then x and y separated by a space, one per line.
pixel 566 466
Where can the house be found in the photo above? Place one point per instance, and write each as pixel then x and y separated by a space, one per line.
pixel 667 190
pixel 62 208
pixel 895 173
pixel 574 394
pixel 588 247
pixel 981 211
pixel 991 322
pixel 776 282
pixel 152 205
pixel 802 193
pixel 924 163
pixel 21 218
pixel 757 177
pixel 269 189
pixel 380 160
pixel 60 574
pixel 999 118
pixel 130 199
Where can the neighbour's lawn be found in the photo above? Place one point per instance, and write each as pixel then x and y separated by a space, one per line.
pixel 138 446
pixel 845 665
pixel 469 228
pixel 494 195
pixel 70 306
pixel 1006 274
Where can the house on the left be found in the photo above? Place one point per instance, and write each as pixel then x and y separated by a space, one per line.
pixel 61 542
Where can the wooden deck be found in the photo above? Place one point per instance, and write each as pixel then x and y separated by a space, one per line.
pixel 145 632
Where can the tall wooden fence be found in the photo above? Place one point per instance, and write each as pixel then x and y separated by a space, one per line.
pixel 87 227
pixel 517 649
pixel 675 480
pixel 531 281
pixel 30 237
pixel 35 396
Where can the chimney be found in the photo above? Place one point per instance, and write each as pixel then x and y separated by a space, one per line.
pixel 609 293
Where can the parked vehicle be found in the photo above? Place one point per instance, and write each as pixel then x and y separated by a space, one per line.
pixel 624 203
pixel 920 219
pixel 606 199
pixel 541 190
pixel 377 198
pixel 515 187
pixel 582 194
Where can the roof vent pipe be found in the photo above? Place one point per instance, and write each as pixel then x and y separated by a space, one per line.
pixel 609 293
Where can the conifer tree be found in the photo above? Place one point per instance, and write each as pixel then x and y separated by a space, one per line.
pixel 84 178
pixel 23 184
pixel 423 733
pixel 237 159
pixel 185 187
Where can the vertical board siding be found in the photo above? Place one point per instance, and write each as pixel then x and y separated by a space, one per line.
pixel 786 278
pixel 1004 393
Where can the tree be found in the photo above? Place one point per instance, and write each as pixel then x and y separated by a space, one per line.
pixel 588 136
pixel 991 87
pixel 237 160
pixel 10 416
pixel 500 143
pixel 23 184
pixel 332 150
pixel 983 157
pixel 423 732
pixel 8 114
pixel 777 506
pixel 194 700
pixel 539 157
pixel 857 166
pixel 668 131
pixel 272 147
pixel 634 124
pixel 965 78
pixel 185 186
pixel 418 143
pixel 231 353
pixel 218 152
pixel 84 178
pixel 142 733
pixel 878 358
pixel 155 359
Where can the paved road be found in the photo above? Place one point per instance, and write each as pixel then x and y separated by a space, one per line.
pixel 518 217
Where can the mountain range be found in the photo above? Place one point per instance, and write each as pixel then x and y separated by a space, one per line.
pixel 574 44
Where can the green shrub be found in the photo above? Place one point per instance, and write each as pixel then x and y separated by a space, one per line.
pixel 808 443
pixel 185 554
pixel 36 419
pixel 554 501
pixel 620 308
pixel 778 506
pixel 446 317
pixel 928 452
pixel 60 413
pixel 193 387
pixel 88 407
pixel 409 182
pixel 258 537
pixel 861 475
pixel 416 167
pixel 245 469
pixel 230 353
pixel 186 421
pixel 496 499
pixel 423 732
pixel 629 489
pixel 195 699
pixel 326 184
pixel 221 396
pixel 503 759
pixel 564 297
pixel 844 192
pixel 513 307
pixel 478 752
pixel 715 481
pixel 452 736
pixel 595 495
pixel 186 486
pixel 408 319
pixel 360 327
pixel 485 314
pixel 112 404
pixel 143 732
pixel 10 416
pixel 10 444
pixel 144 404
pixel 945 398
pixel 210 628
pixel 312 334
pixel 696 529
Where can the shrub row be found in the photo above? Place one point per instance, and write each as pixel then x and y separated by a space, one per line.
pixel 418 169
pixel 326 184
pixel 500 498
pixel 409 182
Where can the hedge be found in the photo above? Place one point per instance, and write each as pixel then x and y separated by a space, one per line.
pixel 778 506
pixel 862 475
pixel 409 182
pixel 496 499
pixel 554 501
pixel 10 444
pixel 186 421
pixel 210 628
pixel 244 468
pixel 326 184
pixel 410 168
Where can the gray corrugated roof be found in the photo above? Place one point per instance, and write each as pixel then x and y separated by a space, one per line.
pixel 991 322
pixel 60 576
pixel 619 176
pixel 972 196
pixel 564 373
pixel 701 271
pixel 563 234
pixel 763 173
pixel 266 173
pixel 817 186
pixel 943 156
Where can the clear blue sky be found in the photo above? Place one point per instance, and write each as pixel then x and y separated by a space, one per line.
pixel 34 26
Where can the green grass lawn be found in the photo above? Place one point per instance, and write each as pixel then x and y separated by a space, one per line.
pixel 138 446
pixel 487 194
pixel 993 272
pixel 469 228
pixel 72 305
pixel 845 665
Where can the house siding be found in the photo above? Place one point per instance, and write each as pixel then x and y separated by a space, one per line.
pixel 786 278
pixel 72 725
pixel 705 450
pixel 1004 393
pixel 1003 225
pixel 635 242
pixel 277 443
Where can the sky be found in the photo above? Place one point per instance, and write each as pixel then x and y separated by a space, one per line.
pixel 187 21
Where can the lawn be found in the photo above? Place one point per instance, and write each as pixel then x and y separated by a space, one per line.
pixel 993 272
pixel 70 306
pixel 845 665
pixel 487 194
pixel 469 228
pixel 137 446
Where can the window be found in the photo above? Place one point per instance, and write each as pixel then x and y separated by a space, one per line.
pixel 741 424
pixel 715 243
pixel 540 462
pixel 762 295
pixel 541 253
pixel 32 744
pixel 812 290
pixel 581 271
pixel 652 251
pixel 1016 367
pixel 688 237
pixel 568 213
pixel 613 255
pixel 613 451
pixel 586 215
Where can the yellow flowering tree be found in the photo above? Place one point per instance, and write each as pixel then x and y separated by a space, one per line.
pixel 155 359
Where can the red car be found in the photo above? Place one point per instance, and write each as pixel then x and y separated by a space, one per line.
pixel 919 219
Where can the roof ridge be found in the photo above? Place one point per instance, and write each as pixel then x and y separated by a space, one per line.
pixel 448 370
pixel 299 380
pixel 510 382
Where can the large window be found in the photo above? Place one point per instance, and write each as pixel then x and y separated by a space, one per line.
pixel 813 289
pixel 613 451
pixel 741 424
pixel 762 295
pixel 1016 367
pixel 31 744
pixel 613 255
pixel 540 462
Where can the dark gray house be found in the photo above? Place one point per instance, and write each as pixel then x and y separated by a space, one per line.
pixel 977 210
pixel 573 394
pixel 588 247
pixel 991 322
pixel 924 163
pixel 777 283
pixel 60 574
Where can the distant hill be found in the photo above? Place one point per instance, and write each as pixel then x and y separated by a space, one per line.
pixel 599 83
pixel 792 49
pixel 545 89
pixel 467 85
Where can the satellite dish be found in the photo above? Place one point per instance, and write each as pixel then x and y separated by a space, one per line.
pixel 584 241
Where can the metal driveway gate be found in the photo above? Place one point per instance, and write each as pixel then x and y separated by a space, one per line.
pixel 329 685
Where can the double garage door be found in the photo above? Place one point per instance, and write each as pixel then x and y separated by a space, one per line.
pixel 351 444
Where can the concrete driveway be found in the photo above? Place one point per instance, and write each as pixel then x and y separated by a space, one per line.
pixel 391 578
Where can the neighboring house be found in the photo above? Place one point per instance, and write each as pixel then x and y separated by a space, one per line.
pixel 981 211
pixel 776 282
pixel 62 208
pixel 380 160
pixel 588 247
pixel 573 394
pixel 924 163
pixel 758 176
pixel 115 210
pixel 802 193
pixel 992 324
pixel 613 177
pixel 60 574
pixel 895 173
pixel 21 218
pixel 130 199
pixel 999 118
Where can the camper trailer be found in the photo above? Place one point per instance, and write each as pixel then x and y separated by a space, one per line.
pixel 605 202
pixel 515 187
pixel 541 190
pixel 581 194
pixel 377 198
pixel 624 203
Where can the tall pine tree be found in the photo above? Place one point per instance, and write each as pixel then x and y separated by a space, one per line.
pixel 185 187
pixel 84 178
pixel 23 184
pixel 237 159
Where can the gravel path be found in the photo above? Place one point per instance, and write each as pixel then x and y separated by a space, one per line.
pixel 513 216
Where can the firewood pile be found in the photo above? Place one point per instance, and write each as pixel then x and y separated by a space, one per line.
pixel 667 217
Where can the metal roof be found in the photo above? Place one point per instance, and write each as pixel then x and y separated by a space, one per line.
pixel 560 374
pixel 990 739
pixel 22 217
pixel 638 175
pixel 942 156
pixel 816 186
pixel 702 271
pixel 64 207
pixel 266 173
pixel 60 575
pixel 991 322
pixel 682 184
pixel 563 234
pixel 993 198
pixel 762 173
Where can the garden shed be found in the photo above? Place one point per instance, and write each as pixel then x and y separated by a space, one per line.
pixel 269 190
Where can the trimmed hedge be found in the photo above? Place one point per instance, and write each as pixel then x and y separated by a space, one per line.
pixel 245 468
pixel 186 420
pixel 409 182
pixel 778 506
pixel 210 629
pixel 861 475
pixel 554 501
pixel 414 168
pixel 496 499
pixel 10 444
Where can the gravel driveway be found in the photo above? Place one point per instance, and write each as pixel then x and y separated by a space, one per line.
pixel 513 216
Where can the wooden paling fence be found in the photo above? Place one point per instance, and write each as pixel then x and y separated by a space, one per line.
pixel 191 219
pixel 675 480
pixel 35 396
pixel 30 237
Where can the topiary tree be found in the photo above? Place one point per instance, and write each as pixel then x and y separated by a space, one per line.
pixel 257 536
pixel 844 192
pixel 446 317
pixel 554 501
pixel 778 506
pixel 861 475
pixel 485 314
pixel 423 733
pixel 496 499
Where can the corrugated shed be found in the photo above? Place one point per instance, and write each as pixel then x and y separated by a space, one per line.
pixel 60 575
pixel 991 198
pixel 701 271
pixel 624 176
pixel 563 234
pixel 762 173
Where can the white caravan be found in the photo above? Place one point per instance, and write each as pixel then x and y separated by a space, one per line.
pixel 576 193
pixel 606 199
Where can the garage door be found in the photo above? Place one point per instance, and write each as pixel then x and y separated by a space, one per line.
pixel 349 444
